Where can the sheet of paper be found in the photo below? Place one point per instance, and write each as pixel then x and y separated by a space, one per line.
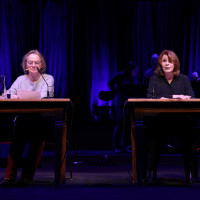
pixel 24 94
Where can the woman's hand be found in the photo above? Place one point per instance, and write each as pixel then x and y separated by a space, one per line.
pixel 13 96
pixel 181 97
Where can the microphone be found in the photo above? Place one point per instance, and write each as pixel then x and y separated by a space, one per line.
pixel 154 90
pixel 45 82
pixel 153 93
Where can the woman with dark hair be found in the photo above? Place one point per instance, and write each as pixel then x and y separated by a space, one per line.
pixel 169 83
pixel 28 128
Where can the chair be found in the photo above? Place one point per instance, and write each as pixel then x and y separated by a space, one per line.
pixel 104 112
pixel 106 95
pixel 7 125
pixel 69 126
pixel 6 134
pixel 50 139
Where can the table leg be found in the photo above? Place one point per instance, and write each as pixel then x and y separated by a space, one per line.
pixel 138 150
pixel 60 153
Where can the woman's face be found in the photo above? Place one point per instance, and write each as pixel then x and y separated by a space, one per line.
pixel 33 62
pixel 167 66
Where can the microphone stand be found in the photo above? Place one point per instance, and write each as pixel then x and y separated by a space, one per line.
pixel 45 82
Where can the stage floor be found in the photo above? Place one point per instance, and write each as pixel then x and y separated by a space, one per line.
pixel 104 175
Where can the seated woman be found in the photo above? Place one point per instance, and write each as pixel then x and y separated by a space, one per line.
pixel 28 128
pixel 169 83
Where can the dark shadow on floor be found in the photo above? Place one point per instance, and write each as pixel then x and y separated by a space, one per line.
pixel 104 175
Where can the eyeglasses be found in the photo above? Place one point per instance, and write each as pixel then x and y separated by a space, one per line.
pixel 31 62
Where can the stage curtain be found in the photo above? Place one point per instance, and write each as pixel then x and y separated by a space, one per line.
pixel 85 43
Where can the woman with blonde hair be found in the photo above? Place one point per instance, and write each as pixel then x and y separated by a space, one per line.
pixel 28 128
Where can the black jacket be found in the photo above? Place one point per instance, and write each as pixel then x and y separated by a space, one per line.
pixel 159 87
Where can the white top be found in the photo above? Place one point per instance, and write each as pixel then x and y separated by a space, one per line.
pixel 24 83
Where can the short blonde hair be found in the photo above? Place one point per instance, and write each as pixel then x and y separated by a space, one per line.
pixel 172 58
pixel 25 57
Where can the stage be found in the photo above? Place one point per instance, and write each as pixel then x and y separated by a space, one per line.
pixel 101 174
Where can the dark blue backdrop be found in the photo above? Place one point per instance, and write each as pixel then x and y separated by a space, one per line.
pixel 86 42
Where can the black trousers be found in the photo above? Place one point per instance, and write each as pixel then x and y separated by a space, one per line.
pixel 32 129
pixel 174 126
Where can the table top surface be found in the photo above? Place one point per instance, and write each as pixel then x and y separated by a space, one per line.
pixel 162 100
pixel 37 100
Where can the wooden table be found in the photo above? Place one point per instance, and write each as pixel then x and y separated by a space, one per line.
pixel 150 107
pixel 56 108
